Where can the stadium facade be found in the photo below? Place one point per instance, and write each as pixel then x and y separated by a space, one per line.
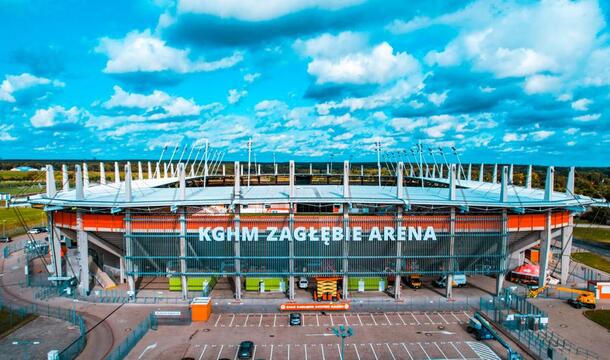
pixel 432 220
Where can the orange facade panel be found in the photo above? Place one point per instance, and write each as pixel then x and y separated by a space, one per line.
pixel 535 222
pixel 65 219
pixel 103 222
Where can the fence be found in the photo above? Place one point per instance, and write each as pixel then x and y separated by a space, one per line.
pixel 527 323
pixel 69 315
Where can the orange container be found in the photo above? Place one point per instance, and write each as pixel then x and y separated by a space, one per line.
pixel 201 309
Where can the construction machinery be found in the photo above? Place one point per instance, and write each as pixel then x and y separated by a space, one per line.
pixel 483 330
pixel 414 281
pixel 327 289
pixel 584 299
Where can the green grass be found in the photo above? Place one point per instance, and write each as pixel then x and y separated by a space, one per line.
pixel 32 217
pixel 597 235
pixel 11 321
pixel 592 260
pixel 601 317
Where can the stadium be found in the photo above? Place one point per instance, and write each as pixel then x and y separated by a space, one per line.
pixel 276 224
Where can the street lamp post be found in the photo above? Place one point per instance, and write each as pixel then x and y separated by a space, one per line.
pixel 343 332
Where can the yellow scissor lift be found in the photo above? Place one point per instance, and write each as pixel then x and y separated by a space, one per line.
pixel 327 289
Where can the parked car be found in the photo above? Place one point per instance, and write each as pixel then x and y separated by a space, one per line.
pixel 37 230
pixel 459 280
pixel 303 283
pixel 5 239
pixel 246 348
pixel 295 319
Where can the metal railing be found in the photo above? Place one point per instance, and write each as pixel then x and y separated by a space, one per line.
pixel 533 334
pixel 121 351
pixel 69 315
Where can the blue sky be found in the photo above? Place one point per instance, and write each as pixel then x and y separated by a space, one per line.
pixel 519 81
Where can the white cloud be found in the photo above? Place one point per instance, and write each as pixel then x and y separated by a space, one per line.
pixel 588 117
pixel 55 116
pixel 4 133
pixel 236 95
pixel 16 83
pixel 253 10
pixel 378 66
pixel 269 107
pixel 332 46
pixel 581 104
pixel 250 77
pixel 438 99
pixel 537 84
pixel 513 39
pixel 142 51
pixel 172 106
pixel 571 131
pixel 541 135
pixel 508 137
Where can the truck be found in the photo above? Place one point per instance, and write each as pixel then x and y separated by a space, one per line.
pixel 584 299
pixel 459 280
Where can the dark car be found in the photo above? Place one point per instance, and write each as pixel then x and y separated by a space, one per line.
pixel 246 348
pixel 5 239
pixel 295 319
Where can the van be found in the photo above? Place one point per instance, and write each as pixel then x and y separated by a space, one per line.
pixel 459 280
pixel 303 283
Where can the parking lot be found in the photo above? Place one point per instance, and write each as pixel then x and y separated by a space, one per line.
pixel 377 336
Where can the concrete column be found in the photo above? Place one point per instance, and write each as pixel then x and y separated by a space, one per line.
pixel 481 172
pixel 452 183
pixel 117 175
pixel 494 177
pixel 469 172
pixel 275 169
pixel 165 170
pixel 398 268
pixel 566 249
pixel 237 182
pixel 291 187
pixel 361 170
pixel 55 244
pixel 545 249
pixel 346 189
pixel 510 174
pixel 345 250
pixel 291 254
pixel 172 170
pixel 65 179
pixel 51 189
pixel 181 182
pixel 399 185
pixel 79 193
pixel 451 267
pixel 157 171
pixel 258 169
pixel 548 187
pixel 440 171
pixel 102 174
pixel 183 269
pixel 504 185
pixel 85 175
pixel 528 177
pixel 128 195
pixel 237 253
pixel 224 170
pixel 83 253
pixel 149 170
pixel 129 252
pixel 140 172
pixel 504 251
pixel 310 169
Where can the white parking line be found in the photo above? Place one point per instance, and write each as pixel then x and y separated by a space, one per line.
pixel 456 318
pixel 246 322
pixel 387 318
pixel 203 351
pixel 357 353
pixel 418 323
pixel 458 350
pixel 359 319
pixel 233 318
pixel 253 352
pixel 441 315
pixel 305 347
pixel 374 353
pixel 217 320
pixel 429 318
pixel 274 318
pixel 236 352
pixel 439 349
pixel 271 355
pixel 288 351
pixel 391 352
pixel 218 357
pixel 407 350
pixel 345 317
pixel 339 350
pixel 303 320
pixel 323 356
pixel 332 323
pixel 424 350
pixel 372 317
pixel 401 319
pixel 260 321
pixel 317 320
